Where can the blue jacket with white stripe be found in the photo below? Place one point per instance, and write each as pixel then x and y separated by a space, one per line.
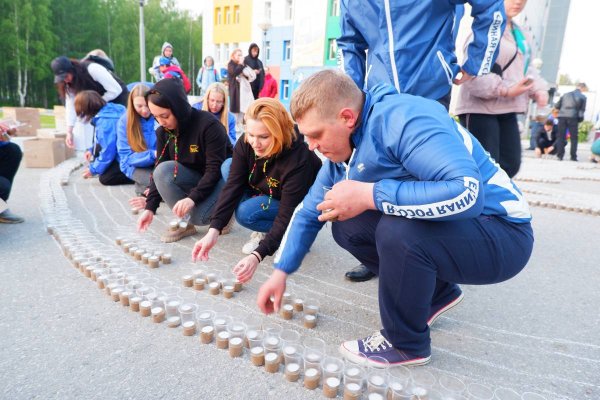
pixel 105 136
pixel 424 165
pixel 410 43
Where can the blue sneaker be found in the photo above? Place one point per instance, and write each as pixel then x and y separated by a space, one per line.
pixel 438 309
pixel 359 351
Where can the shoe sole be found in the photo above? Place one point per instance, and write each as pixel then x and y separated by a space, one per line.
pixel 447 307
pixel 171 239
pixel 11 221
pixel 355 358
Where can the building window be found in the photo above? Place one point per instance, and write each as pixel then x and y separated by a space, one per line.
pixel 217 16
pixel 218 53
pixel 236 14
pixel 268 10
pixel 227 15
pixel 335 8
pixel 235 46
pixel 285 89
pixel 331 55
pixel 289 9
pixel 224 52
pixel 268 51
pixel 287 50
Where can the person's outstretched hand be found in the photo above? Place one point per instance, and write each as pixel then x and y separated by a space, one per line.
pixel 183 207
pixel 138 202
pixel 245 268
pixel 270 293
pixel 203 246
pixel 145 220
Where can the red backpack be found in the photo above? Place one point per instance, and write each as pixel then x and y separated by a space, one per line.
pixel 184 79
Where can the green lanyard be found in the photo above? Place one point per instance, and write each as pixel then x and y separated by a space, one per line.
pixel 522 45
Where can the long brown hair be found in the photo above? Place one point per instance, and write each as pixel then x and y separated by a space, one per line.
pixel 135 135
pixel 218 87
pixel 82 80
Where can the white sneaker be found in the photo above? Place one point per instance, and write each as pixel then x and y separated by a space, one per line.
pixel 255 238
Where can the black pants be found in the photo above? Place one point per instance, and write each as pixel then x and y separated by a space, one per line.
pixel 561 140
pixel 420 263
pixel 543 143
pixel 113 176
pixel 499 135
pixel 10 158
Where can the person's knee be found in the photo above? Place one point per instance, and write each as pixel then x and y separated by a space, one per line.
pixel 225 167
pixel 163 173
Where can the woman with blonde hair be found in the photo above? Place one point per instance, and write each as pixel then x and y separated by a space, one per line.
pixel 215 101
pixel 269 174
pixel 136 140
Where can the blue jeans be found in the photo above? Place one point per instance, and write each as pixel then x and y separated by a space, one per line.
pixel 420 263
pixel 172 190
pixel 249 212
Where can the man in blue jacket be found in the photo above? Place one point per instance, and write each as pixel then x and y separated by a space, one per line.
pixel 410 45
pixel 414 197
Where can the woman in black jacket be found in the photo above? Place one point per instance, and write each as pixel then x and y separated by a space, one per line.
pixel 191 145
pixel 270 173
pixel 254 62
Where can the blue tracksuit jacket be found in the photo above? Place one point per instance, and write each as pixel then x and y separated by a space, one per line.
pixel 130 160
pixel 105 135
pixel 423 163
pixel 411 43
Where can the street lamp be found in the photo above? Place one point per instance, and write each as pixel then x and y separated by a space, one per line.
pixel 264 26
pixel 142 43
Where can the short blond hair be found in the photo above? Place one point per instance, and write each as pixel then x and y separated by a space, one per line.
pixel 277 120
pixel 327 91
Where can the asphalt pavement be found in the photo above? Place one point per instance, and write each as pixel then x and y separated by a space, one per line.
pixel 63 338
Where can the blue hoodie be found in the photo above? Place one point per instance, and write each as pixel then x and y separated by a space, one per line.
pixel 105 135
pixel 130 160
pixel 424 165
pixel 411 43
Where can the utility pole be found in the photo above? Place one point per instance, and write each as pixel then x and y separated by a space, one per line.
pixel 142 43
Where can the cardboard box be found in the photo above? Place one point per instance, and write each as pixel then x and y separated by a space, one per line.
pixel 60 120
pixel 51 133
pixel 28 117
pixel 44 153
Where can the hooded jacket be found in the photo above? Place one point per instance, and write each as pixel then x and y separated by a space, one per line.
pixel 424 165
pixel 486 94
pixel 129 160
pixel 411 43
pixel 289 174
pixel 104 147
pixel 202 143
pixel 155 69
pixel 270 87
pixel 255 63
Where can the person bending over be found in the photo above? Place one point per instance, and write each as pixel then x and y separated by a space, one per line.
pixel 191 146
pixel 269 174
pixel 414 197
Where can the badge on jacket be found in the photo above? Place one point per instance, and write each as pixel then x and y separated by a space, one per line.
pixel 193 148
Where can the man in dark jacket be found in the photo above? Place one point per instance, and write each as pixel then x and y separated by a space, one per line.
pixel 253 62
pixel 571 108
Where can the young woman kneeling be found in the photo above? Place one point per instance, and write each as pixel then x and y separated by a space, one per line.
pixel 268 176
pixel 191 146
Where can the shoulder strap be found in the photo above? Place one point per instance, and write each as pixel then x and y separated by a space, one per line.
pixel 512 59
